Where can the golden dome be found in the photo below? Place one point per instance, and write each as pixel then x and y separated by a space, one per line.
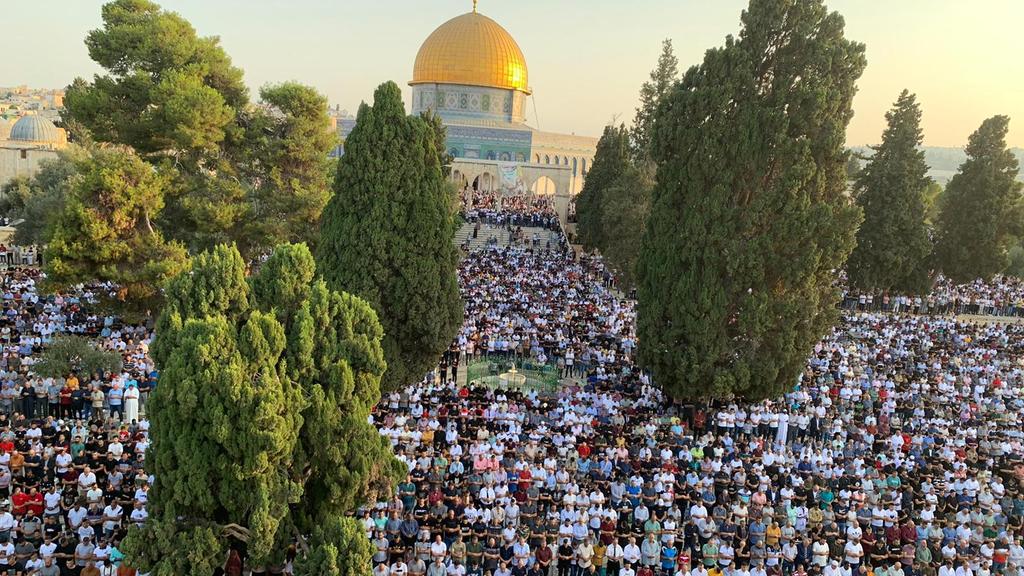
pixel 473 50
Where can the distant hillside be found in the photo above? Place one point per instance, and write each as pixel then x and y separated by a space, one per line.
pixel 944 162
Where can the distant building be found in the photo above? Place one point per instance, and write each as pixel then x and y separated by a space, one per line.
pixel 471 72
pixel 25 142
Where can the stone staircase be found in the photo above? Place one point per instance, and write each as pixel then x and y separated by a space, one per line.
pixel 465 233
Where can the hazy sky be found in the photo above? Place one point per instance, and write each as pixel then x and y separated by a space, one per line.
pixel 586 58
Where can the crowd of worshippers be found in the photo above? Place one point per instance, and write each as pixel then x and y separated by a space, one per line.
pixel 509 209
pixel 899 453
pixel 546 306
pixel 72 448
pixel 1000 296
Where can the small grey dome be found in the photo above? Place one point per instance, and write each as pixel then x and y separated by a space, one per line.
pixel 34 128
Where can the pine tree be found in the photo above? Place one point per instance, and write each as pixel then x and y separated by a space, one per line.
pixel 387 234
pixel 893 246
pixel 611 160
pixel 651 92
pixel 253 174
pixel 106 231
pixel 259 422
pixel 749 219
pixel 978 207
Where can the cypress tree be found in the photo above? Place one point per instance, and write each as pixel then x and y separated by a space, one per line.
pixel 611 160
pixel 259 421
pixel 386 235
pixel 626 205
pixel 893 246
pixel 749 218
pixel 976 218
pixel 664 75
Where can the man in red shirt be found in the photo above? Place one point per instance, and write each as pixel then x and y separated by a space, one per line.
pixel 19 503
pixel 36 505
pixel 584 450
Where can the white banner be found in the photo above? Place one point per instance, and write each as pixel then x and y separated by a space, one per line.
pixel 509 174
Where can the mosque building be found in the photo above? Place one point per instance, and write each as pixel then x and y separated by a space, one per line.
pixel 25 142
pixel 471 72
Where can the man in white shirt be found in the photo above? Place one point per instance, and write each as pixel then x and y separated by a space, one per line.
pixel 854 552
pixel 112 518
pixel 631 552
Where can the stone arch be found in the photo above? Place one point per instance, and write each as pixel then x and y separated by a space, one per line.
pixel 573 166
pixel 536 158
pixel 487 182
pixel 544 186
pixel 547 159
pixel 459 179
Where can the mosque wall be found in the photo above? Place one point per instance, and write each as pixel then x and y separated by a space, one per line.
pixel 21 162
pixel 575 153
pixel 456 102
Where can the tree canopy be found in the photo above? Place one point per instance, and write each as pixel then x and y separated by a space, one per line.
pixel 663 77
pixel 611 161
pixel 253 174
pixel 979 215
pixel 750 220
pixel 387 235
pixel 106 231
pixel 893 245
pixel 68 353
pixel 260 420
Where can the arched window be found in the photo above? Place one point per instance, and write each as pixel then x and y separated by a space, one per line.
pixel 583 166
pixel 565 161
pixel 454 152
pixel 505 156
pixel 573 166
pixel 536 158
pixel 547 159
pixel 491 156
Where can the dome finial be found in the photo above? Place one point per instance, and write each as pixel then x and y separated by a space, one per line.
pixel 474 5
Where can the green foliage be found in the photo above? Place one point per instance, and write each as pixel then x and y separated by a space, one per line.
pixel 256 175
pixel 611 160
pixel 853 166
pixel 979 211
pixel 105 230
pixel 260 418
pixel 933 194
pixel 386 235
pixel 627 202
pixel 288 139
pixel 69 353
pixel 339 548
pixel 175 550
pixel 440 140
pixel 1015 257
pixel 749 218
pixel 664 75
pixel 893 247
